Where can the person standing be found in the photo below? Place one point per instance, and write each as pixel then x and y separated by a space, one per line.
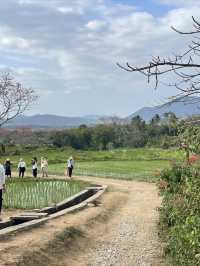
pixel 7 167
pixel 21 167
pixel 34 167
pixel 70 166
pixel 44 167
pixel 2 186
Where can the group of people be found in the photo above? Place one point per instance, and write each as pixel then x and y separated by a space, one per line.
pixel 22 167
pixel 5 171
pixel 34 162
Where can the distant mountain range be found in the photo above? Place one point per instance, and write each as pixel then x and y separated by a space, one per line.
pixel 181 108
pixel 53 121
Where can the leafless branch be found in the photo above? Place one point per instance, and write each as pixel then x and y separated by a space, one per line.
pixel 14 98
pixel 185 66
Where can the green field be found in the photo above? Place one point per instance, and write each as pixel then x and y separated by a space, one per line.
pixel 140 170
pixel 140 164
pixel 33 194
pixel 56 155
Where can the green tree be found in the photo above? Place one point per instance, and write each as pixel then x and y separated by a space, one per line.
pixel 137 122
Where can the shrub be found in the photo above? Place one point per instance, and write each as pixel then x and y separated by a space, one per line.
pixel 180 213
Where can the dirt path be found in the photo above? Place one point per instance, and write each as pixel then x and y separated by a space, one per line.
pixel 120 231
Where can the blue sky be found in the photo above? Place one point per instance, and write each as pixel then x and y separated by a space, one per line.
pixel 152 6
pixel 67 50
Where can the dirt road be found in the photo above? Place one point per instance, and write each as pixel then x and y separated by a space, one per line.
pixel 121 230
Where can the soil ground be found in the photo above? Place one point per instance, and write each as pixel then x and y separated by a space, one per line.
pixel 120 230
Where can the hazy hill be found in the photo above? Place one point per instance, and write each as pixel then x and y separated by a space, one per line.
pixel 181 108
pixel 185 108
pixel 52 121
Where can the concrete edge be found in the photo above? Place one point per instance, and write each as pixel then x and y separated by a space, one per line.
pixel 64 202
pixel 9 231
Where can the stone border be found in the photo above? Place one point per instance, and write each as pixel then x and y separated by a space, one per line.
pixel 97 192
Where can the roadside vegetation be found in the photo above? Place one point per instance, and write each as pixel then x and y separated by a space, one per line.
pixel 180 212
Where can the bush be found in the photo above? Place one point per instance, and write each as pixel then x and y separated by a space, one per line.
pixel 180 213
pixel 174 178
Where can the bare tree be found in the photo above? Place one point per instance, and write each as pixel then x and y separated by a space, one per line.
pixel 14 98
pixel 185 66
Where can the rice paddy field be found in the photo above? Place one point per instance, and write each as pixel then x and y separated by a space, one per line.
pixel 30 193
pixel 140 164
pixel 127 170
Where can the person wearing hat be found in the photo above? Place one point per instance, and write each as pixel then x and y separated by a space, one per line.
pixel 2 186
pixel 70 166
pixel 21 167
pixel 7 167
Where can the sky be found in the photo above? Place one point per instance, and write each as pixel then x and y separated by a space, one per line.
pixel 67 50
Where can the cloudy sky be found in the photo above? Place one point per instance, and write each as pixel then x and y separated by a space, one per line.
pixel 67 50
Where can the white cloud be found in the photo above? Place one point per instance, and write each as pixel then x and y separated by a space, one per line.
pixel 95 24
pixel 8 39
pixel 15 42
pixel 66 10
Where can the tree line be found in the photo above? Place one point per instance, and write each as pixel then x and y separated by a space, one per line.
pixel 135 134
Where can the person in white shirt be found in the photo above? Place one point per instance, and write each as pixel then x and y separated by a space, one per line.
pixel 2 186
pixel 21 167
pixel 70 166
pixel 44 167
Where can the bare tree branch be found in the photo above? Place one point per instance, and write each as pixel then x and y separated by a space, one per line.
pixel 185 66
pixel 14 98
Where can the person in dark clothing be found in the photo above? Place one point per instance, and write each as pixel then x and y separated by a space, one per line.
pixel 34 167
pixel 7 167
